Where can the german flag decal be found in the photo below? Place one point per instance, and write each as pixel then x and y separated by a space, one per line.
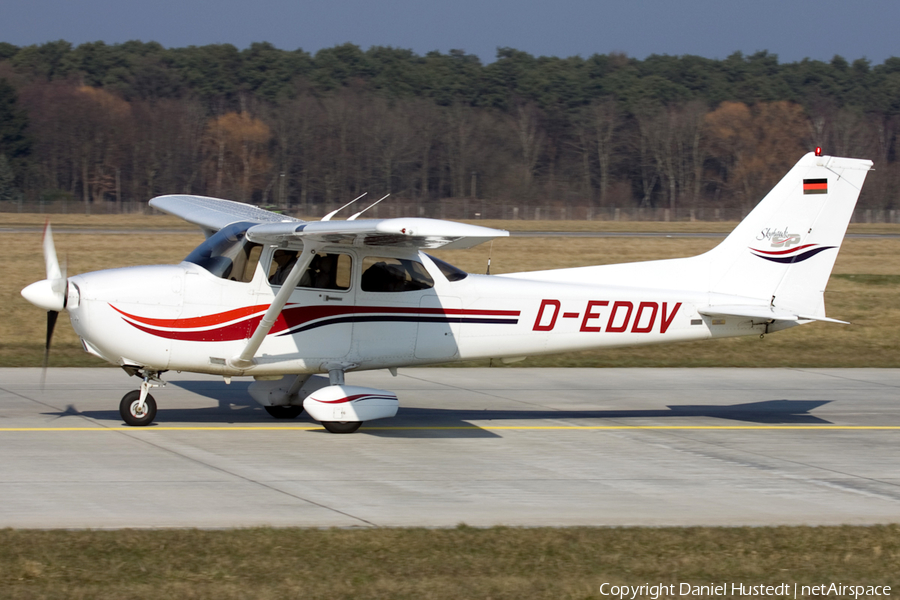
pixel 815 186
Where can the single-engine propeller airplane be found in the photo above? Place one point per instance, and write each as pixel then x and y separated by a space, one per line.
pixel 280 299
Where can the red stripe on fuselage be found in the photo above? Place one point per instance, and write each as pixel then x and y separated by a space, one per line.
pixel 290 317
pixel 196 322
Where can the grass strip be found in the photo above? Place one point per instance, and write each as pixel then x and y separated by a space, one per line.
pixel 464 562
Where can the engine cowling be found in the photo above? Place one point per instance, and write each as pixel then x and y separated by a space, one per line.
pixel 350 403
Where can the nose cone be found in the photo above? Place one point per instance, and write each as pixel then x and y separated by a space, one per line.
pixel 42 295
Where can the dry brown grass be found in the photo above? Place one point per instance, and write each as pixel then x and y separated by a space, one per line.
pixel 870 303
pixel 82 221
pixel 497 563
pixel 23 326
pixel 159 221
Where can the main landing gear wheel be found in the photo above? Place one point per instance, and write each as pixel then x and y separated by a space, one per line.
pixel 284 412
pixel 341 426
pixel 129 409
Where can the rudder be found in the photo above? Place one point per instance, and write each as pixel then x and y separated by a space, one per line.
pixel 784 250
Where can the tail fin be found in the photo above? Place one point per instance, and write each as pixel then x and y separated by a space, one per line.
pixel 784 250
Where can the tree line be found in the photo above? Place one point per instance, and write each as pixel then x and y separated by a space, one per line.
pixel 110 126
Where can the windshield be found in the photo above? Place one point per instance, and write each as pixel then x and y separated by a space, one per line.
pixel 228 254
pixel 449 271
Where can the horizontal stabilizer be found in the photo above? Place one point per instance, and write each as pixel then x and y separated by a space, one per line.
pixel 398 233
pixel 764 313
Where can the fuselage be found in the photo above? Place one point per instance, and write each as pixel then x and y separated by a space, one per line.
pixel 194 317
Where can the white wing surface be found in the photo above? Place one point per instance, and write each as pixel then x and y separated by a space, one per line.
pixel 402 233
pixel 212 214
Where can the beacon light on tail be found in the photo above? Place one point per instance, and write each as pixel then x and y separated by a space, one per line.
pixel 281 300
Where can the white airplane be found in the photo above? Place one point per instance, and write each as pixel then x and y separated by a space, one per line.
pixel 280 299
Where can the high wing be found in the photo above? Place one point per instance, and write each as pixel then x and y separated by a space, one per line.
pixel 212 214
pixel 398 233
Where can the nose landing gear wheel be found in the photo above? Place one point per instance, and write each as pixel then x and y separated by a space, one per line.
pixel 129 409
pixel 284 412
pixel 341 426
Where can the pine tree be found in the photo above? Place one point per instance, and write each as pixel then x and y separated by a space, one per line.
pixel 8 190
pixel 15 144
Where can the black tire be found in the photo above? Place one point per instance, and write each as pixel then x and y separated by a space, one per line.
pixel 127 409
pixel 290 411
pixel 341 426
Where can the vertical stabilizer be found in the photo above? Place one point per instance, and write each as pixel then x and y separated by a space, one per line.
pixel 783 252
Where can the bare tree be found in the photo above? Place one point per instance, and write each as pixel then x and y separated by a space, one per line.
pixel 459 144
pixel 293 123
pixel 390 139
pixel 342 168
pixel 525 121
pixel 236 145
pixel 428 129
pixel 605 118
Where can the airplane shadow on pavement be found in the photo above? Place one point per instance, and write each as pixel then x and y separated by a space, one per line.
pixel 236 407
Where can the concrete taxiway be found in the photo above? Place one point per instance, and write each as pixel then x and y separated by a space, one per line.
pixel 480 446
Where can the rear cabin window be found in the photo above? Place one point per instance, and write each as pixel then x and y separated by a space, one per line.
pixel 381 274
pixel 228 254
pixel 325 272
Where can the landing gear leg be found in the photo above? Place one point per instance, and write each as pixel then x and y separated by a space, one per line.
pixel 138 407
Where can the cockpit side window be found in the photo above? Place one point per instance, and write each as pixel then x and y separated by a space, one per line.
pixel 325 272
pixel 228 254
pixel 281 265
pixel 381 274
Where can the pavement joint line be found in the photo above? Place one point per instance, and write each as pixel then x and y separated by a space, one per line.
pixel 725 446
pixel 269 486
pixel 842 377
pixel 475 427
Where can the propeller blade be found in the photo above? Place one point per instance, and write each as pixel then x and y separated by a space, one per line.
pixel 51 325
pixel 50 260
pixel 50 293
pixel 61 285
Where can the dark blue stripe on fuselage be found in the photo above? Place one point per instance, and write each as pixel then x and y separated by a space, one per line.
pixel 398 319
pixel 798 257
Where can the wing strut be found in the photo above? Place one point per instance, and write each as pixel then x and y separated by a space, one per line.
pixel 245 360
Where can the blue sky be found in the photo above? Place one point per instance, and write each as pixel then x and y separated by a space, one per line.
pixel 712 28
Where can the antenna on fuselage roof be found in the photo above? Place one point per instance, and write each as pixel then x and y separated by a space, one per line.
pixel 353 218
pixel 334 212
